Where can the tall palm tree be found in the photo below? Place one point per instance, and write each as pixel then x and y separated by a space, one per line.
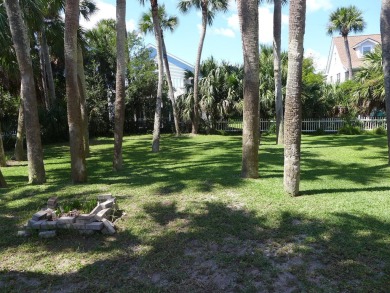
pixel 249 25
pixel 3 162
pixel 293 111
pixel 345 20
pixel 77 152
pixel 120 82
pixel 28 94
pixel 157 113
pixel 3 183
pixel 277 70
pixel 170 23
pixel 385 35
pixel 208 9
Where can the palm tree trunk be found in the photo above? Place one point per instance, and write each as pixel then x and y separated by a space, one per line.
pixel 120 83
pixel 346 45
pixel 3 183
pixel 170 87
pixel 19 154
pixel 28 95
pixel 83 98
pixel 196 114
pixel 249 25
pixel 157 114
pixel 48 70
pixel 43 74
pixel 385 35
pixel 47 73
pixel 3 162
pixel 277 71
pixel 293 112
pixel 77 154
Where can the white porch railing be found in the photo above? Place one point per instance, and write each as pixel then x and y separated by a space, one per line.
pixel 308 125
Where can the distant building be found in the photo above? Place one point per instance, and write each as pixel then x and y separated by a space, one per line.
pixel 177 68
pixel 337 65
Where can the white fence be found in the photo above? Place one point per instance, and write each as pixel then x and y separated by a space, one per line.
pixel 309 125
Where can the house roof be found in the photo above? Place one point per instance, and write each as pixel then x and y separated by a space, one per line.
pixel 354 41
pixel 171 58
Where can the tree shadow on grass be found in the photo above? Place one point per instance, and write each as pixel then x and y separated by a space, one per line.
pixel 220 248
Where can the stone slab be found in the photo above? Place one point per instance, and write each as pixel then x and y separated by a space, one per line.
pixel 108 226
pixel 52 202
pixel 24 233
pixel 47 225
pixel 97 209
pixel 103 214
pixel 109 203
pixel 85 218
pixel 68 220
pixel 97 226
pixel 36 224
pixel 47 234
pixel 78 226
pixel 39 215
pixel 104 197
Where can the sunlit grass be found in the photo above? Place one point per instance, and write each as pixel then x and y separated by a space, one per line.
pixel 193 224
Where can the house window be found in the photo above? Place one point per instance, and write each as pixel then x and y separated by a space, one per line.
pixel 366 49
pixel 338 77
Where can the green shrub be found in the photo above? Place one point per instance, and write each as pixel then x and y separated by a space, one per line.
pixel 350 130
pixel 380 131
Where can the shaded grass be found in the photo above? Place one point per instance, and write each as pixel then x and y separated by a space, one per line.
pixel 193 224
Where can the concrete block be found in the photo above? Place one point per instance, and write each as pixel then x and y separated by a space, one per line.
pixel 36 224
pixel 104 197
pixel 61 225
pixel 85 218
pixel 49 225
pixel 47 234
pixel 109 203
pixel 108 226
pixel 97 209
pixel 97 226
pixel 103 214
pixel 24 233
pixel 52 203
pixel 78 226
pixel 67 220
pixel 39 215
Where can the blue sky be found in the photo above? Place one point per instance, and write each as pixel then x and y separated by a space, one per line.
pixel 223 39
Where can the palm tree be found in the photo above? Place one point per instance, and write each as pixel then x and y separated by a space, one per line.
pixel 120 82
pixel 171 22
pixel 385 35
pixel 249 25
pixel 208 9
pixel 3 162
pixel 28 94
pixel 277 69
pixel 371 93
pixel 293 111
pixel 345 20
pixel 77 152
pixel 157 35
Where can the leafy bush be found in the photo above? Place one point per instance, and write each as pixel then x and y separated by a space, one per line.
pixel 350 130
pixel 380 131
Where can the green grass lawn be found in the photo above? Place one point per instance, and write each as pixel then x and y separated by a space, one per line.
pixel 193 225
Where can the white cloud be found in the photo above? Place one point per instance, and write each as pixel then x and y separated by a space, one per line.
pixel 233 22
pixel 227 32
pixel 130 25
pixel 314 5
pixel 105 11
pixel 319 61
